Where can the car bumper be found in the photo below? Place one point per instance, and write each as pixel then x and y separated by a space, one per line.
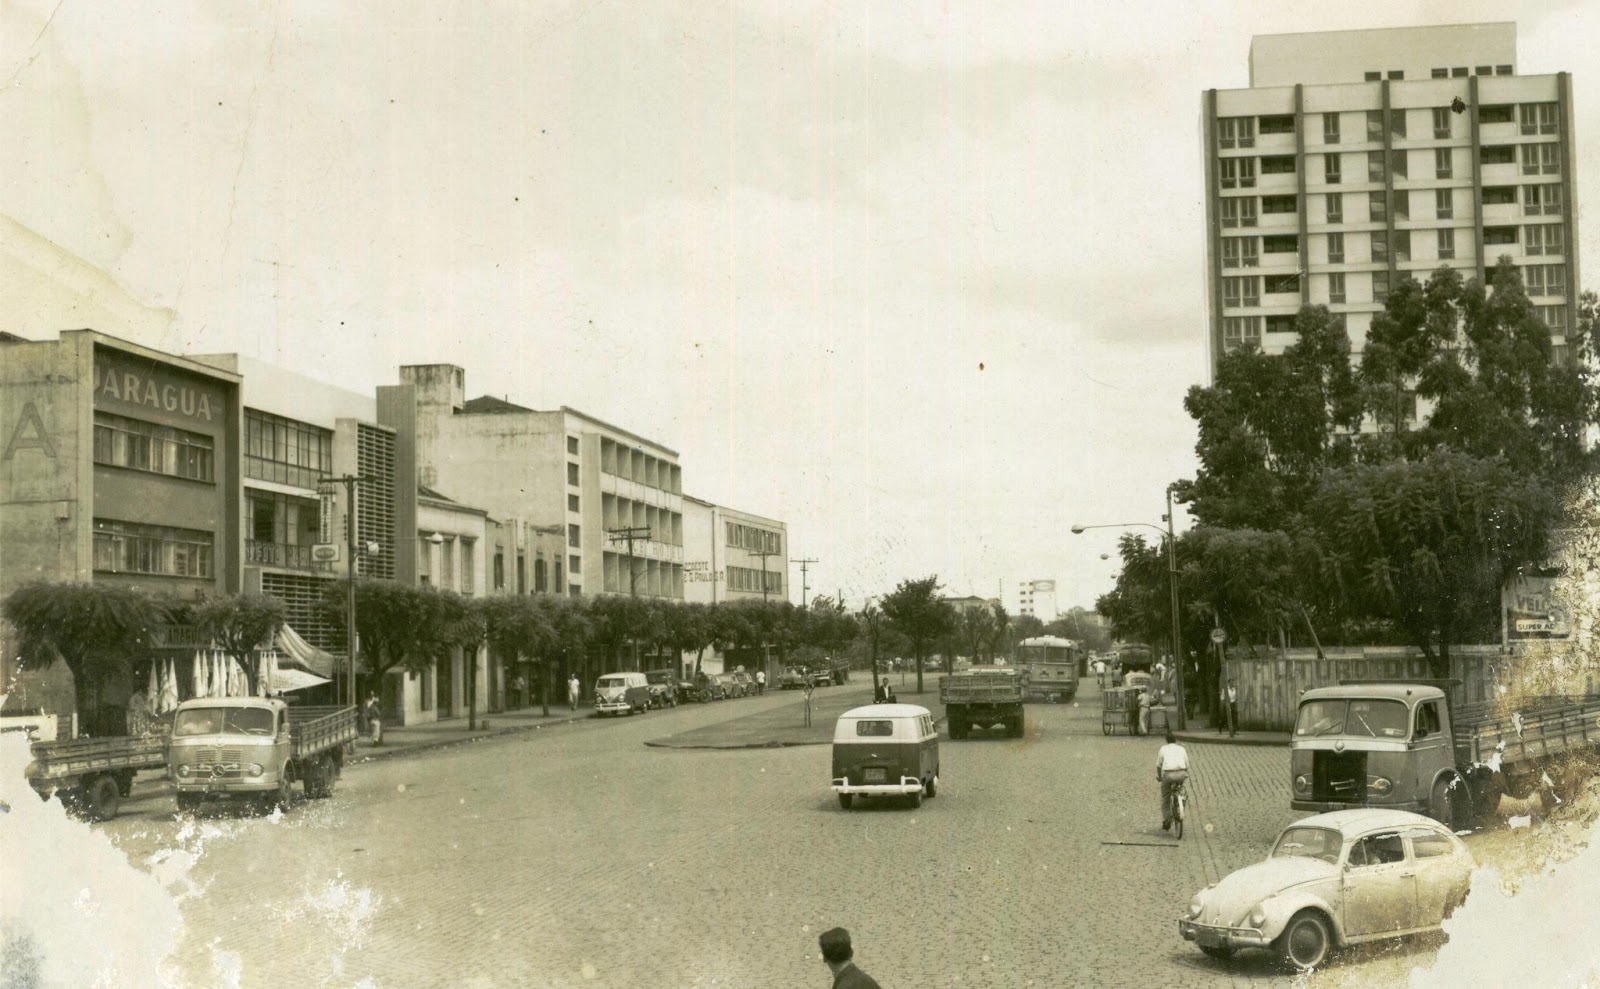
pixel 614 707
pixel 221 788
pixel 1207 936
pixel 1325 806
pixel 906 785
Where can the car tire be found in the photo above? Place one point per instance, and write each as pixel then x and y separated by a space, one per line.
pixel 846 799
pixel 930 789
pixel 188 803
pixel 916 798
pixel 1306 941
pixel 1220 952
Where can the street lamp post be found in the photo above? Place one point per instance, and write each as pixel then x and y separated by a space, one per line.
pixel 1172 586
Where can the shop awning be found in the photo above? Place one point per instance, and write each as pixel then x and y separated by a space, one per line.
pixel 302 653
pixel 287 678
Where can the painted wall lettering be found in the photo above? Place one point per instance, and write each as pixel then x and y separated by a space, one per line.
pixel 29 434
pixel 143 389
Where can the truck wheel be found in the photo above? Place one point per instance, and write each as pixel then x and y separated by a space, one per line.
pixel 101 799
pixel 1442 804
pixel 188 803
pixel 845 799
pixel 125 782
pixel 280 797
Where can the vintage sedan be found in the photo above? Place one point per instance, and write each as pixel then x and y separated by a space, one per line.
pixel 1331 880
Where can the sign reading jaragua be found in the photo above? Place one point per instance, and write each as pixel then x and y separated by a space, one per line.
pixel 149 385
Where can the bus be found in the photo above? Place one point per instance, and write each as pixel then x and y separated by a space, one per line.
pixel 1049 668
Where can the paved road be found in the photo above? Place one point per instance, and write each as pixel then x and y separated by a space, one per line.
pixel 578 856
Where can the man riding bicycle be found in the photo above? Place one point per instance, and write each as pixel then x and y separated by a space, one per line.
pixel 1172 768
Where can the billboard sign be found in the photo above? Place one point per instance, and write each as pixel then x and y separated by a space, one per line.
pixel 1532 608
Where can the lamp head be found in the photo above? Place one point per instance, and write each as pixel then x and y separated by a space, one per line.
pixel 1077 530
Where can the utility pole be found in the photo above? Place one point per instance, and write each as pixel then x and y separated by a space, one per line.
pixel 764 553
pixel 627 534
pixel 804 586
pixel 351 639
pixel 1177 640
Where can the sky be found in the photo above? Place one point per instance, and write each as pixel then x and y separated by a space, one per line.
pixel 925 281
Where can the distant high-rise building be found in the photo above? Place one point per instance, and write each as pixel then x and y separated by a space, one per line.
pixel 1038 598
pixel 1358 158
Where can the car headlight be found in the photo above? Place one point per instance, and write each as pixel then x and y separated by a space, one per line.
pixel 255 769
pixel 185 769
pixel 1301 783
pixel 1195 906
pixel 1257 917
pixel 1380 784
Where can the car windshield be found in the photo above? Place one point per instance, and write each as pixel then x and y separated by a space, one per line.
pixel 223 721
pixel 1367 718
pixel 1317 843
pixel 607 682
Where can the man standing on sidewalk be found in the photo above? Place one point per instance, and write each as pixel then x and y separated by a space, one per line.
pixel 1230 708
pixel 761 682
pixel 573 688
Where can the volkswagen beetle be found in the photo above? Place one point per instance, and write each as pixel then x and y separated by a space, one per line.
pixel 1331 880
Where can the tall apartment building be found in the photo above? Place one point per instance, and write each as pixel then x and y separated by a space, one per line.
pixel 734 554
pixel 1037 598
pixel 1358 158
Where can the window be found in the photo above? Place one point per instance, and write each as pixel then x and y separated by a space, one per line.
pixel 522 574
pixel 1427 721
pixel 1374 166
pixel 1240 292
pixel 558 582
pixel 1336 248
pixel 1537 199
pixel 1542 239
pixel 1401 200
pixel 875 729
pixel 1541 158
pixel 1502 70
pixel 1380 286
pixel 1554 317
pixel 1441 121
pixel 1335 207
pixel 572 503
pixel 1280 324
pixel 1499 195
pixel 129 547
pixel 573 564
pixel 1241 331
pixel 1398 164
pixel 138 445
pixel 1374 77
pixel 572 445
pixel 1377 207
pixel 1279 284
pixel 498 574
pixel 447 563
pixel 1239 212
pixel 1538 118
pixel 1545 279
pixel 1447 243
pixel 1240 252
pixel 1277 124
pixel 1330 169
pixel 574 535
pixel 1444 204
pixel 1336 291
pixel 1459 72
pixel 1330 128
pixel 1378 849
pixel 1380 245
pixel 1400 242
pixel 1443 163
pixel 1397 123
pixel 572 474
pixel 1236 132
pixel 1277 165
pixel 285 451
pixel 1375 125
pixel 1484 70
pixel 541 575
pixel 424 558
pixel 1427 845
pixel 1279 204
pixel 1397 74
pixel 1499 235
pixel 1499 114
pixel 1281 244
pixel 1238 173
pixel 1441 73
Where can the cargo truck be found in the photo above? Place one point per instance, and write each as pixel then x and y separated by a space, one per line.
pixel 93 775
pixel 253 749
pixel 982 698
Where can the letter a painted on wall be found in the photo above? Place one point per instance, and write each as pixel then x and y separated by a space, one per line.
pixel 29 433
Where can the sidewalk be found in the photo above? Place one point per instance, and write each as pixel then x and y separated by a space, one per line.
pixel 403 739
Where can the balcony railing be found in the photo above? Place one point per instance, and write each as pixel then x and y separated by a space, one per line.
pixel 287 555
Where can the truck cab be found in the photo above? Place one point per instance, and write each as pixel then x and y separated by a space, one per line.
pixel 229 747
pixel 1374 745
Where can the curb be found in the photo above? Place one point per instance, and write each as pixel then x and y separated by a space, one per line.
pixel 378 753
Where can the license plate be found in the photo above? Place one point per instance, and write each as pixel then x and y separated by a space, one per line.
pixel 873 775
pixel 1207 938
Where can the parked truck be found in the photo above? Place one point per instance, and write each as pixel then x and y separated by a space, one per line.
pixel 1401 744
pixel 982 698
pixel 92 775
pixel 253 749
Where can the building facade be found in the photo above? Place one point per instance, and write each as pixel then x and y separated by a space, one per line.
pixel 1037 598
pixel 1359 158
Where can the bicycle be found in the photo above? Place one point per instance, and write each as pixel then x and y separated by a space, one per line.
pixel 1179 804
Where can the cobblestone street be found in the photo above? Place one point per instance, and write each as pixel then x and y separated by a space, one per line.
pixel 579 855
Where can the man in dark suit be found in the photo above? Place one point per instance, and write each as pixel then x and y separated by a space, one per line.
pixel 836 951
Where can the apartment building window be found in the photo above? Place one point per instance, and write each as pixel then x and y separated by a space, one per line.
pixel 139 445
pixel 1330 169
pixel 1277 165
pixel 469 562
pixel 424 559
pixel 1374 166
pixel 1497 154
pixel 1443 163
pixel 1282 284
pixel 1537 199
pixel 1397 74
pixel 1241 331
pixel 1458 72
pixel 1441 73
pixel 572 445
pixel 1444 207
pixel 1541 159
pixel 558 583
pixel 1499 195
pixel 541 574
pixel 1373 77
pixel 1380 286
pixel 498 573
pixel 1484 70
pixel 1335 207
pixel 1281 244
pixel 574 536
pixel 1441 122
pixel 129 547
pixel 1497 114
pixel 1375 125
pixel 1239 211
pixel 1240 252
pixel 1336 248
pixel 1538 118
pixel 1447 243
pixel 1377 207
pixel 1336 287
pixel 1380 245
pixel 1238 292
pixel 1277 124
pixel 1330 128
pixel 522 574
pixel 1239 173
pixel 1499 235
pixel 1280 324
pixel 572 503
pixel 1400 244
pixel 1546 238
pixel 447 563
pixel 574 564
pixel 572 474
pixel 1555 317
pixel 1401 199
pixel 1397 123
pixel 285 451
pixel 1398 164
pixel 1545 279
pixel 1279 204
pixel 1502 70
pixel 1236 132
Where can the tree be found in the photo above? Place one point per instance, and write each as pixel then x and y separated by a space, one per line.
pixel 916 611
pixel 467 630
pixel 400 627
pixel 239 625
pixel 95 629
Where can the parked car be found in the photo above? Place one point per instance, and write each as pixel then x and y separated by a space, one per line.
pixel 883 750
pixel 1331 880
pixel 746 682
pixel 792 679
pixel 663 688
pixel 622 693
pixel 820 678
pixel 710 688
pixel 731 687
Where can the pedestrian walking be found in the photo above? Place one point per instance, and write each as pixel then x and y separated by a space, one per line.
pixel 1130 702
pixel 1144 712
pixel 374 715
pixel 761 682
pixel 1230 707
pixel 519 687
pixel 838 953
pixel 573 689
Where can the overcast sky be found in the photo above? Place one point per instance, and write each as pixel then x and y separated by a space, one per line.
pixel 925 281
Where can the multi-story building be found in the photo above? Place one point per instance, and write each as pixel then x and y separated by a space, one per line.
pixel 1359 158
pixel 732 556
pixel 973 602
pixel 1037 598
pixel 611 500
